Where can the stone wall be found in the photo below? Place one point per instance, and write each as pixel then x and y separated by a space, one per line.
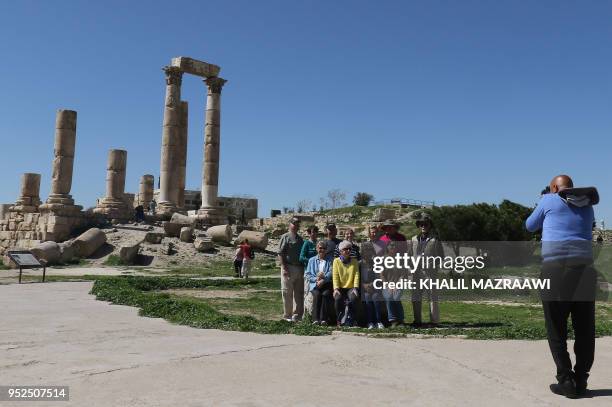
pixel 233 205
pixel 27 229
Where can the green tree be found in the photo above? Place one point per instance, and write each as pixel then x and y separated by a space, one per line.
pixel 362 199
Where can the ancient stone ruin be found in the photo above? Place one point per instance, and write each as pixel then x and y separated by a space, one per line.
pixel 29 222
pixel 174 142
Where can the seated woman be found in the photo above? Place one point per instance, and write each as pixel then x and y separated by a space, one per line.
pixel 369 295
pixel 395 309
pixel 318 275
pixel 345 277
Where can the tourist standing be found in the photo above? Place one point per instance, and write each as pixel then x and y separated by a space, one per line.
pixel 238 258
pixel 349 236
pixel 332 241
pixel 425 244
pixel 152 206
pixel 309 248
pixel 247 256
pixel 370 296
pixel 292 272
pixel 395 309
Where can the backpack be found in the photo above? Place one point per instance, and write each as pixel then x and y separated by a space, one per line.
pixel 252 253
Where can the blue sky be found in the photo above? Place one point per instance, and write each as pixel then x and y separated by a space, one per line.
pixel 452 101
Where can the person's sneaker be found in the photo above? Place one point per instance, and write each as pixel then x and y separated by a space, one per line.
pixel 370 325
pixel 394 324
pixel 316 323
pixel 323 323
pixel 565 387
pixel 288 319
pixel 380 325
pixel 295 318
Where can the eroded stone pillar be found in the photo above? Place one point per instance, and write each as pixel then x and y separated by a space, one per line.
pixel 65 141
pixel 113 205
pixel 182 154
pixel 145 192
pixel 171 134
pixel 29 198
pixel 210 211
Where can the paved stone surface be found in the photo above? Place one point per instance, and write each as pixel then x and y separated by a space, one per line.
pixel 58 334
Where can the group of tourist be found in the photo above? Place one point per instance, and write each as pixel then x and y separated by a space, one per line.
pixel 339 274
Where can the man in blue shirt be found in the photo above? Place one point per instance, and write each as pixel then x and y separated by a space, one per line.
pixel 565 216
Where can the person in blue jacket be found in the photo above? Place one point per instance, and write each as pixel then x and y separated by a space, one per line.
pixel 565 216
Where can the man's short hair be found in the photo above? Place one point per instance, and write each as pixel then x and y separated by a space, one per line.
pixel 330 226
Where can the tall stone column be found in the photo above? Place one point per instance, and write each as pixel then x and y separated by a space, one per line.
pixel 65 140
pixel 210 212
pixel 145 192
pixel 113 205
pixel 182 160
pixel 171 133
pixel 29 198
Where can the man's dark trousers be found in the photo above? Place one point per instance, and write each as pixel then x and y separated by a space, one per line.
pixel 572 294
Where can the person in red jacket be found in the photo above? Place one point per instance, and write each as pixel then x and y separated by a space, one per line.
pixel 247 256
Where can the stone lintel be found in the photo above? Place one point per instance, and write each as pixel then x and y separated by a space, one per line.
pixel 195 67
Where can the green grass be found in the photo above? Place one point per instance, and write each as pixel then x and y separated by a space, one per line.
pixel 257 311
pixel 137 291
pixel 114 260
pixel 261 266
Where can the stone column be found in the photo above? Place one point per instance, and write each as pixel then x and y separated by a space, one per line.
pixel 168 184
pixel 65 140
pixel 113 204
pixel 29 199
pixel 182 155
pixel 210 211
pixel 145 193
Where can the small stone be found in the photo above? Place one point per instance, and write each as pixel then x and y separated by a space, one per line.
pixel 203 244
pixel 186 234
pixel 154 237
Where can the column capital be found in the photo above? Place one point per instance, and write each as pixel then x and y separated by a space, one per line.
pixel 174 75
pixel 215 84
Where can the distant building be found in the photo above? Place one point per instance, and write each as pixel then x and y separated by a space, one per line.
pixel 234 205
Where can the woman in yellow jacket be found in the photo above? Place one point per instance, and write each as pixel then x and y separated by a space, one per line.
pixel 345 277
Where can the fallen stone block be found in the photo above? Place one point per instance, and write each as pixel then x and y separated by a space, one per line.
pixel 67 252
pixel 86 244
pixel 220 233
pixel 203 244
pixel 47 251
pixel 154 237
pixel 167 249
pixel 182 219
pixel 172 229
pixel 128 251
pixel 186 234
pixel 258 240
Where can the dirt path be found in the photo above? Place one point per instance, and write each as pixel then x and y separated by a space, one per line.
pixel 58 334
